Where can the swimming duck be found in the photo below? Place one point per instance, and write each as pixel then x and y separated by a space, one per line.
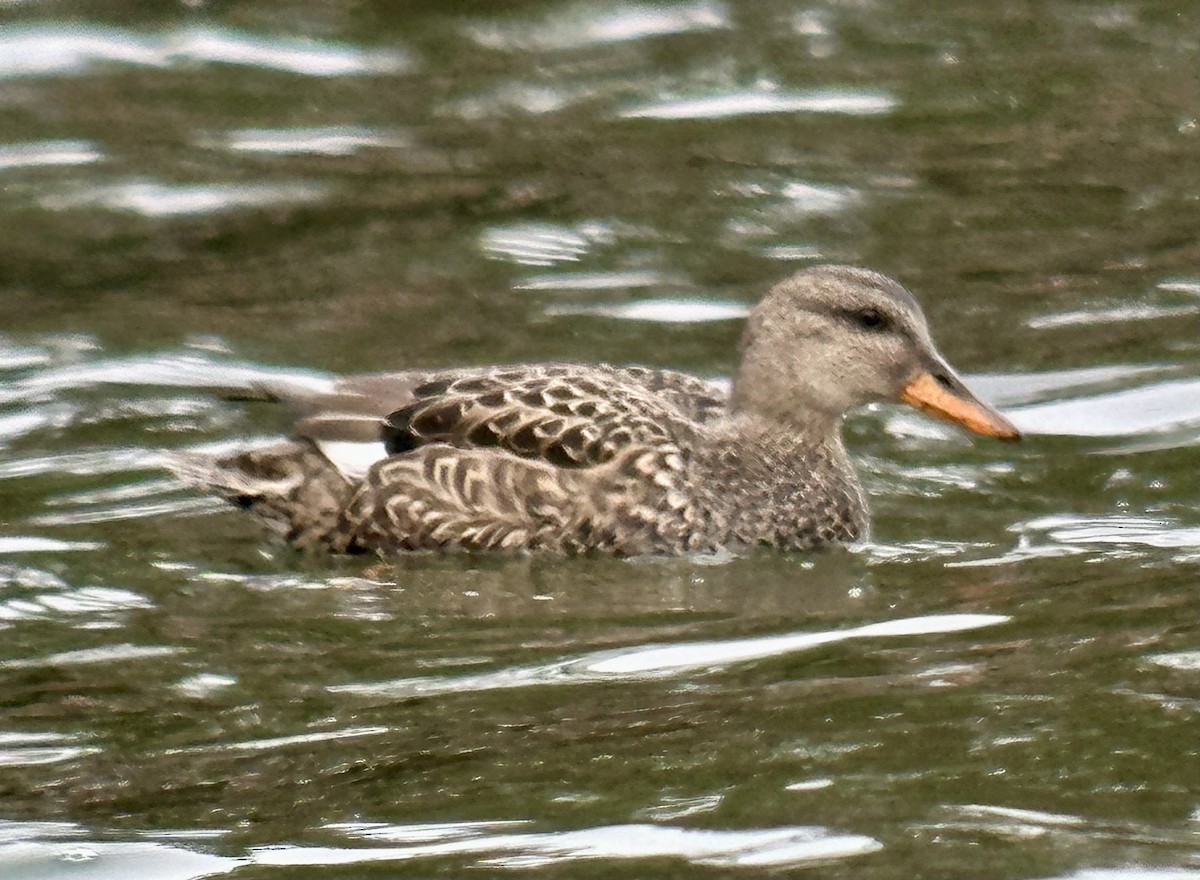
pixel 567 458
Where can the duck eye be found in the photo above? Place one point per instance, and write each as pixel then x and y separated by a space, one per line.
pixel 871 319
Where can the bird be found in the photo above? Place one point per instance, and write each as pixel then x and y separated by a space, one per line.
pixel 568 459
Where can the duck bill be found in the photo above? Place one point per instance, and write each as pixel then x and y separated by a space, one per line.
pixel 945 396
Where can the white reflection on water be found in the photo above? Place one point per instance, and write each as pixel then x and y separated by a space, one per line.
pixel 20 357
pixel 1149 409
pixel 589 24
pixel 1115 530
pixel 171 369
pixel 1025 388
pixel 817 198
pixel 44 50
pixel 93 604
pixel 1077 534
pixel 96 860
pixel 1144 308
pixel 776 847
pixel 1066 831
pixel 58 49
pixel 1131 873
pixel 153 509
pixel 614 280
pixel 107 654
pixel 38 154
pixel 536 98
pixel 203 685
pixel 1114 315
pixel 663 311
pixel 334 140
pixel 1187 661
pixel 288 54
pixel 34 544
pixel 151 199
pixel 544 244
pixel 646 662
pixel 670 809
pixel 1180 285
pixel 854 102
pixel 33 749
pixel 31 419
pixel 278 742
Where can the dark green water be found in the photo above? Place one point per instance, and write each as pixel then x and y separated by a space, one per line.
pixel 1006 684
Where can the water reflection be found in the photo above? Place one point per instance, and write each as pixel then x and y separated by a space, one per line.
pixel 332 140
pixel 56 50
pixel 120 653
pixel 26 854
pixel 40 154
pixel 1153 408
pixel 751 848
pixel 585 24
pixel 543 244
pixel 663 311
pixel 159 200
pixel 35 749
pixel 99 860
pixel 614 280
pixel 766 99
pixel 647 662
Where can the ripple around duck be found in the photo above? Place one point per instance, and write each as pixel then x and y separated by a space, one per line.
pixel 650 662
pixel 151 509
pixel 1076 535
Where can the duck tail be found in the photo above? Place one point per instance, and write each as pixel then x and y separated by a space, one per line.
pixel 291 486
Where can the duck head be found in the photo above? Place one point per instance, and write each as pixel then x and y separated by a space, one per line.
pixel 831 338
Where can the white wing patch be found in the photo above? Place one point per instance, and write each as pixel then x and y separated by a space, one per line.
pixel 352 460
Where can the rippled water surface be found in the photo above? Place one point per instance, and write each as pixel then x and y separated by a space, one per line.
pixel 1005 684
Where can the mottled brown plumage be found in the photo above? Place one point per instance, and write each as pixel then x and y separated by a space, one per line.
pixel 567 458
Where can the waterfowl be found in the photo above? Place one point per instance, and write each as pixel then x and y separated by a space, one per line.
pixel 568 458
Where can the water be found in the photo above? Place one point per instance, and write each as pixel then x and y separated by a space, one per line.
pixel 1004 684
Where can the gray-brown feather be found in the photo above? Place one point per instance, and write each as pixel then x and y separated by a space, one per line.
pixel 551 459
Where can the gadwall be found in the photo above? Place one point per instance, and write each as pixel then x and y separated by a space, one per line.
pixel 568 458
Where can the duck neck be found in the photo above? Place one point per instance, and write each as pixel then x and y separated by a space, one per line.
pixel 787 485
pixel 769 416
pixel 793 402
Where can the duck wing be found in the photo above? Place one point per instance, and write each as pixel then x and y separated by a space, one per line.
pixel 564 415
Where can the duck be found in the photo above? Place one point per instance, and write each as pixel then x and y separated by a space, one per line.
pixel 568 458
